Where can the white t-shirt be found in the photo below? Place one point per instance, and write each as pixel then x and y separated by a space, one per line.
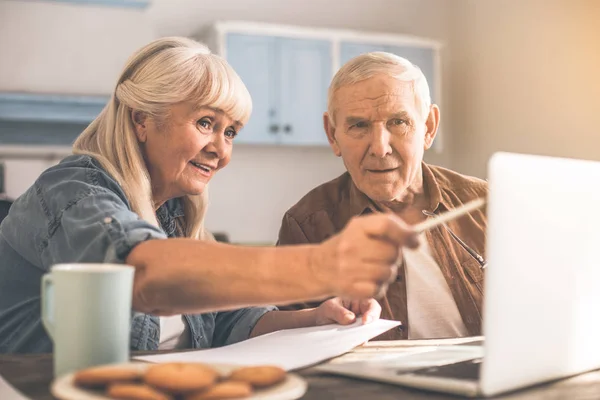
pixel 432 311
pixel 174 333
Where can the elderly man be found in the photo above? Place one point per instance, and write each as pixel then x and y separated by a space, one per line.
pixel 380 120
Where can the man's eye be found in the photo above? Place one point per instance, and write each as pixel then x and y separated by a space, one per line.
pixel 398 121
pixel 360 125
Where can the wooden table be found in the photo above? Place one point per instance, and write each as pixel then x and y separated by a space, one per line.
pixel 32 374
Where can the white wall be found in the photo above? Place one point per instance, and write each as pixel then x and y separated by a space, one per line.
pixel 62 48
pixel 21 173
pixel 249 197
pixel 525 79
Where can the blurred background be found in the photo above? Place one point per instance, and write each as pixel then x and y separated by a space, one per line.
pixel 511 75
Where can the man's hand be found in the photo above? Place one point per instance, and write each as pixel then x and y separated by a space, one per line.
pixel 345 312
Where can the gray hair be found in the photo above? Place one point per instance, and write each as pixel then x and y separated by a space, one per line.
pixel 368 65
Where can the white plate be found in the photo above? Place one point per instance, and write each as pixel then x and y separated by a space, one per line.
pixel 293 387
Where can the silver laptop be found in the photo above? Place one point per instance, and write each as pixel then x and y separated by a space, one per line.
pixel 541 320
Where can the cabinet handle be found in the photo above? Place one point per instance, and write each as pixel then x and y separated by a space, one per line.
pixel 274 129
pixel 287 129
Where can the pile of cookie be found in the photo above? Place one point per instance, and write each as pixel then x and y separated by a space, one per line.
pixel 171 381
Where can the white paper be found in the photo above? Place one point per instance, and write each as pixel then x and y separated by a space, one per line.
pixel 289 349
pixel 7 392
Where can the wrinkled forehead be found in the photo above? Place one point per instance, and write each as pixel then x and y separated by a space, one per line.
pixel 375 97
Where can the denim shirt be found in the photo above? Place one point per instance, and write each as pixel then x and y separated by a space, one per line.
pixel 76 212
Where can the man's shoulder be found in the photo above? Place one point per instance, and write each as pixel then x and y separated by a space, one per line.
pixel 324 198
pixel 457 183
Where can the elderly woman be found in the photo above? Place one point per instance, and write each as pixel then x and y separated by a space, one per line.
pixel 135 192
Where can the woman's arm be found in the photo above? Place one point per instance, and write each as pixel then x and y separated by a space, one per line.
pixel 190 276
pixel 176 276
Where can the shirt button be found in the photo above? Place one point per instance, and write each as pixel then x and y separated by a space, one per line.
pixel 107 220
pixel 400 328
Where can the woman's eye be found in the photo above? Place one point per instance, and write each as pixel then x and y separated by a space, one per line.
pixel 205 123
pixel 231 134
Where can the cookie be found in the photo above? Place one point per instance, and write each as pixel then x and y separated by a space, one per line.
pixel 260 376
pixel 135 391
pixel 223 390
pixel 101 376
pixel 180 377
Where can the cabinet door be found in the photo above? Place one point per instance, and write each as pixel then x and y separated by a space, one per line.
pixel 255 60
pixel 306 71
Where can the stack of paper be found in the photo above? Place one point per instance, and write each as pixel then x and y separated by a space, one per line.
pixel 290 349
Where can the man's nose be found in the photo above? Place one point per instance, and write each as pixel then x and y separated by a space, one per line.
pixel 380 141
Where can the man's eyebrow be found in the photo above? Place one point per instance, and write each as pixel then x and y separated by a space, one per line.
pixel 401 115
pixel 351 120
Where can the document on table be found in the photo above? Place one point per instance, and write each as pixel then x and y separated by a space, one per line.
pixel 7 392
pixel 290 348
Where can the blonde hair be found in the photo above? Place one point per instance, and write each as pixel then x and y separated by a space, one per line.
pixel 368 65
pixel 165 72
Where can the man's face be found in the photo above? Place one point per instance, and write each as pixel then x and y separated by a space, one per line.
pixel 381 136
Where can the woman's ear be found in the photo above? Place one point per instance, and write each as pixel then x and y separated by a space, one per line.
pixel 139 123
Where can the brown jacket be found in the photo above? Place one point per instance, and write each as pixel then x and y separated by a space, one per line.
pixel 326 209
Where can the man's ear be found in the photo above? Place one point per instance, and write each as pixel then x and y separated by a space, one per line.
pixel 432 123
pixel 139 120
pixel 330 131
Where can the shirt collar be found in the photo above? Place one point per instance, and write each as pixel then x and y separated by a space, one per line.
pixel 167 213
pixel 359 202
pixel 175 207
pixel 432 186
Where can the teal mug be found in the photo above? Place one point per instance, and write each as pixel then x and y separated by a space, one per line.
pixel 86 310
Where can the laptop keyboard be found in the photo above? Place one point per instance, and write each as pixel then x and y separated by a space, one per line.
pixel 467 370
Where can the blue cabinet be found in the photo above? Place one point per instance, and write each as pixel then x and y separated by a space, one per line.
pixel 254 59
pixel 288 80
pixel 423 57
pixel 306 70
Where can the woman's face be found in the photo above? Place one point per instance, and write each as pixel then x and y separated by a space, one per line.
pixel 183 152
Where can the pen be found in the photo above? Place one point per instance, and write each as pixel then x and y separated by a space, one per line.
pixel 450 215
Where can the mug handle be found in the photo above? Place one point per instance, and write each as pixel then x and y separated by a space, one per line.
pixel 47 304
